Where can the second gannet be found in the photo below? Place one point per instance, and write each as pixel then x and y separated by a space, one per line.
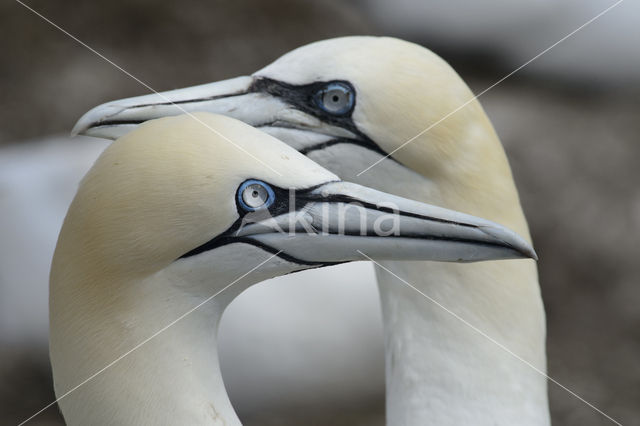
pixel 175 220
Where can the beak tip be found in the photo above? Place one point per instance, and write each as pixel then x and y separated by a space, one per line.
pixel 79 128
pixel 533 255
pixel 85 123
pixel 94 117
pixel 512 240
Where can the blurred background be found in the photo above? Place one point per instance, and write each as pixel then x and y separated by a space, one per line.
pixel 570 122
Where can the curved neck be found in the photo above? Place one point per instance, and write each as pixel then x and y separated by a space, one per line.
pixel 172 378
pixel 441 371
pixel 438 370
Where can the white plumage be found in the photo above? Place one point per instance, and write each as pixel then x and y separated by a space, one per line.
pixel 177 218
pixel 408 103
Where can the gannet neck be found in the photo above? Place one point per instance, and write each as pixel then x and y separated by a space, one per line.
pixel 441 371
pixel 438 370
pixel 174 378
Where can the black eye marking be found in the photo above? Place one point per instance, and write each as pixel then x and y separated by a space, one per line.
pixel 279 202
pixel 305 98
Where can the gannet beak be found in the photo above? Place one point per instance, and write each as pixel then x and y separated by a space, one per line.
pixel 235 97
pixel 338 221
pixel 254 100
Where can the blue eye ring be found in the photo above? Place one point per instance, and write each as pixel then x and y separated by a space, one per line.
pixel 255 195
pixel 336 98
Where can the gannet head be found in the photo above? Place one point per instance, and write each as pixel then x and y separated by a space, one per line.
pixel 348 103
pixel 367 91
pixel 187 186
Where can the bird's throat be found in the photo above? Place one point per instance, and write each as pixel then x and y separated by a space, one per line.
pixel 155 364
pixel 444 362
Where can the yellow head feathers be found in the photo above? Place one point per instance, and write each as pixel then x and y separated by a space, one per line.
pixel 170 185
pixel 401 90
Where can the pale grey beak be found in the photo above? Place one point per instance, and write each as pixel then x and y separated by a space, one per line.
pixel 113 119
pixel 236 98
pixel 338 220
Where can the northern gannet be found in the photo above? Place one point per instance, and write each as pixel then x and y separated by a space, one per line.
pixel 348 102
pixel 187 207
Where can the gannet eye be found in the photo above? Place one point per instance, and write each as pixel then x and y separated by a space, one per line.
pixel 336 98
pixel 254 194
